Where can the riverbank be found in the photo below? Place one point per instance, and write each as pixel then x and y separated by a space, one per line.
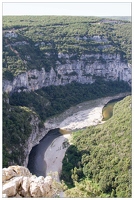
pixel 58 122
pixel 36 162
pixel 81 116
pixel 47 156
pixel 55 154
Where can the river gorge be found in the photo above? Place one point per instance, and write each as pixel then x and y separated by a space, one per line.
pixel 46 157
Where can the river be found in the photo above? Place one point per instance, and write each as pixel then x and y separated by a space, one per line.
pixel 36 162
pixel 50 149
pixel 107 110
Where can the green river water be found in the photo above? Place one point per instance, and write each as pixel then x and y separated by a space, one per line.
pixel 107 110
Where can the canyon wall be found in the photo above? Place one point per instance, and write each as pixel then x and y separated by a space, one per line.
pixel 86 69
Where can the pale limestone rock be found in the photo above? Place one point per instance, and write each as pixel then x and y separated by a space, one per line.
pixel 35 190
pixel 82 70
pixel 41 187
pixel 10 188
pixel 7 173
pixel 32 178
pixel 24 184
pixel 44 188
pixel 12 171
pixel 48 179
pixel 34 138
pixel 21 171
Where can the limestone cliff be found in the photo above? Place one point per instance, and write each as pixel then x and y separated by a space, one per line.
pixel 18 182
pixel 83 70
pixel 36 135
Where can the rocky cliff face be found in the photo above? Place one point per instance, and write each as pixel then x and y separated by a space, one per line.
pixel 18 182
pixel 35 136
pixel 69 68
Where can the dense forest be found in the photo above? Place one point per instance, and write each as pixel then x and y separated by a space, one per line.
pixel 98 163
pixel 16 130
pixel 34 42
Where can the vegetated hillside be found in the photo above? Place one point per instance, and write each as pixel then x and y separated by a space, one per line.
pixel 34 42
pixel 98 163
pixel 19 108
pixel 16 130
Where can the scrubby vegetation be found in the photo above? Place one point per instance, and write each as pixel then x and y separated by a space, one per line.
pixel 98 163
pixel 34 42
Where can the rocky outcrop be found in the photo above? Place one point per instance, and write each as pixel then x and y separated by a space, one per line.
pixel 69 67
pixel 36 135
pixel 18 182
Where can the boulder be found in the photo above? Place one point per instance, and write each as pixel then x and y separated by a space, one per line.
pixel 13 171
pixel 19 182
pixel 11 188
pixel 7 174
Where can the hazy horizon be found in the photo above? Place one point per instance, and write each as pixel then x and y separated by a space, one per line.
pixel 97 9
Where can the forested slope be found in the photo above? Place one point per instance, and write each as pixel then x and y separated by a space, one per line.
pixel 56 44
pixel 99 161
pixel 16 130
pixel 33 42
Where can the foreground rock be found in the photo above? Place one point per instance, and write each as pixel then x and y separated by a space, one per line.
pixel 19 182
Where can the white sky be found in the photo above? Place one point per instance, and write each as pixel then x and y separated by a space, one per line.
pixel 78 8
